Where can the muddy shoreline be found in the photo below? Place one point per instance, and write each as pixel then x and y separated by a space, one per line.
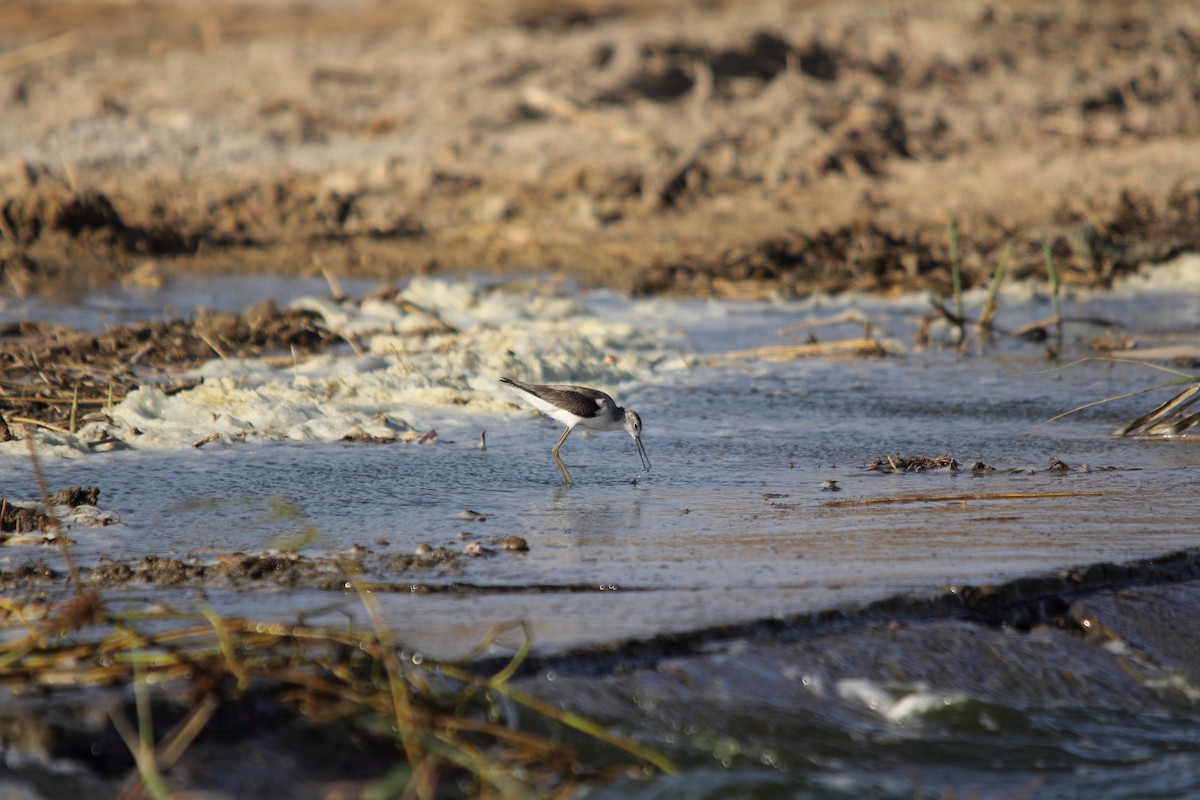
pixel 1017 604
pixel 740 149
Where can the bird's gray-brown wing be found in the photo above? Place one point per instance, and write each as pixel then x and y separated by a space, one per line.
pixel 578 400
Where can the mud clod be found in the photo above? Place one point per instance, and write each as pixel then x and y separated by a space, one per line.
pixel 900 463
pixel 17 519
pixel 76 496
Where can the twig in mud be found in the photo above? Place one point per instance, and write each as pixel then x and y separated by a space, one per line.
pixel 956 279
pixel 543 101
pixel 950 498
pixel 849 316
pixel 983 325
pixel 438 326
pixel 69 171
pixel 953 318
pixel 335 286
pixel 1055 295
pixel 204 337
pixel 400 365
pixel 212 437
pixel 353 342
pixel 130 362
pixel 788 352
pixel 72 427
pixel 1037 330
pixel 38 423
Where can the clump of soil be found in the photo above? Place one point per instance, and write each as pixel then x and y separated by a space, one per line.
pixel 19 519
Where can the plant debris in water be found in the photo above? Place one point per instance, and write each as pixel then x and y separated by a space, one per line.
pixel 1174 417
pixel 1171 418
pixel 54 376
pixel 899 463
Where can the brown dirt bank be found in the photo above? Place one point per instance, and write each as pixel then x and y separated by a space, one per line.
pixel 728 148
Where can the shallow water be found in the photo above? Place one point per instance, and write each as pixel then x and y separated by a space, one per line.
pixel 977 713
pixel 732 525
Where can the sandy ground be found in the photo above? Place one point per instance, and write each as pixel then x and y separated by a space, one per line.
pixel 728 148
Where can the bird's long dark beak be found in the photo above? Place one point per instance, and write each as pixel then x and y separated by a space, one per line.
pixel 642 453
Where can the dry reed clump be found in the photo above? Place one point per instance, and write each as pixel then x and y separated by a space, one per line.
pixel 455 731
pixel 58 378
pixel 1173 417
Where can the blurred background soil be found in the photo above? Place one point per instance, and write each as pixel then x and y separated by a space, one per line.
pixel 724 148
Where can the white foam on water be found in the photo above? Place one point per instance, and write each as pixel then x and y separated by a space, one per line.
pixel 896 708
pixel 439 345
pixel 1181 272
pixel 439 348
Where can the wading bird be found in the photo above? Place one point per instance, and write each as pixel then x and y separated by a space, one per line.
pixel 579 405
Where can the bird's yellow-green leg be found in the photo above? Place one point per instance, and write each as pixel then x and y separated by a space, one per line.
pixel 562 468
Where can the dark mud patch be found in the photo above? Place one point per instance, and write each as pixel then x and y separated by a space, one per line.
pixel 912 464
pixel 437 571
pixel 16 520
pixel 69 747
pixel 899 463
pixel 240 570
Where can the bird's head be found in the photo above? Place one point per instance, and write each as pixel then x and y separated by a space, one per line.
pixel 633 424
